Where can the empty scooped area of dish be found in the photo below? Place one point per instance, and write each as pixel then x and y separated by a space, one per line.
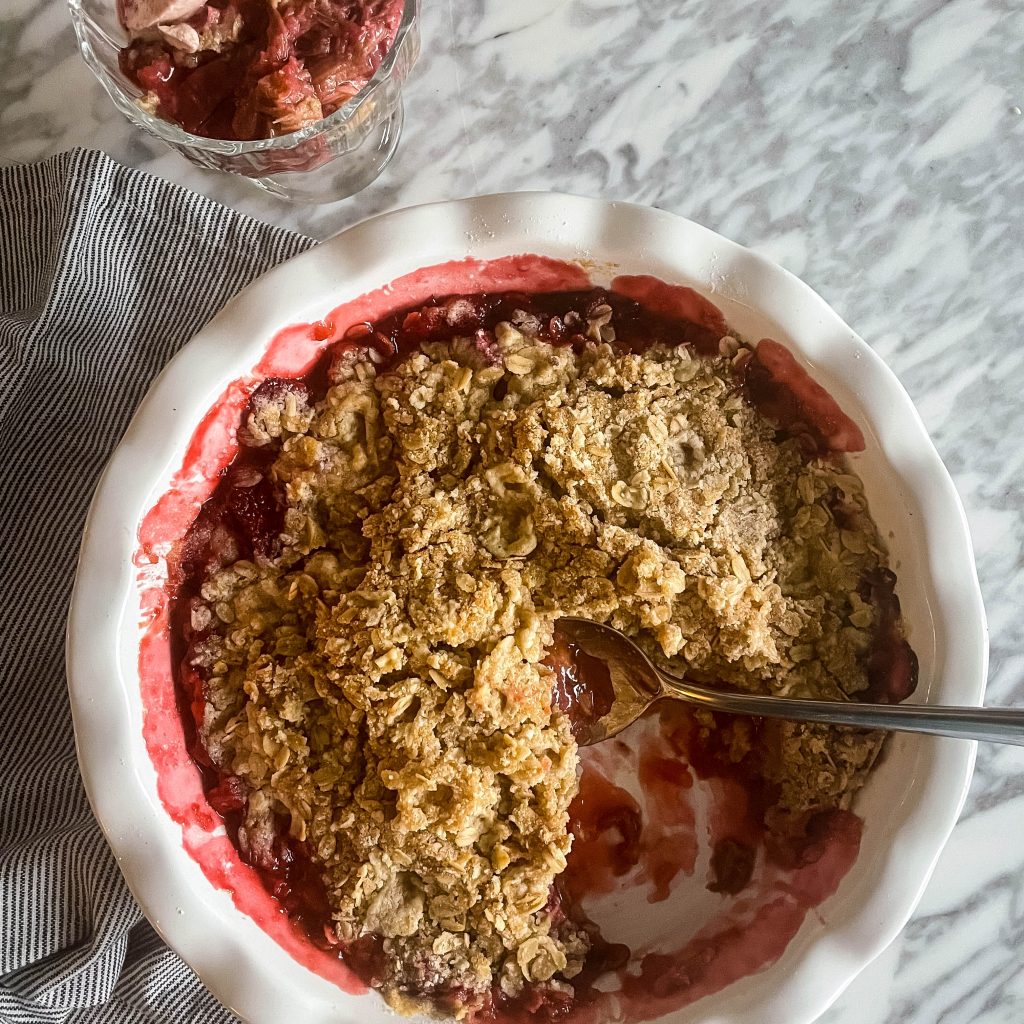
pixel 672 864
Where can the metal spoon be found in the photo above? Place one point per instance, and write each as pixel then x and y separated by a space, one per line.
pixel 636 683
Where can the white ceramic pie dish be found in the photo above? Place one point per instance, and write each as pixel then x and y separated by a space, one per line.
pixel 911 801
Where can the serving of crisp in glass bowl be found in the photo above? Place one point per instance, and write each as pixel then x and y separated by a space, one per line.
pixel 166 825
pixel 325 161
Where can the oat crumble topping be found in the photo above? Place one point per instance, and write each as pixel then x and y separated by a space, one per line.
pixel 380 683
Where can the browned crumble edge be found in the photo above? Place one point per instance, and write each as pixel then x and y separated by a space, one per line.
pixel 380 684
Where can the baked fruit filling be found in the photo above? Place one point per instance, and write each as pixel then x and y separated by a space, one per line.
pixel 367 616
pixel 253 69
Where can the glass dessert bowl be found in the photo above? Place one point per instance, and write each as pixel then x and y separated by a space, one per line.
pixel 324 161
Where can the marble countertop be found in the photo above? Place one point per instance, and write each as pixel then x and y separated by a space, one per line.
pixel 874 149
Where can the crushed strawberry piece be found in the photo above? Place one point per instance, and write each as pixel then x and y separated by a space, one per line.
pixel 228 795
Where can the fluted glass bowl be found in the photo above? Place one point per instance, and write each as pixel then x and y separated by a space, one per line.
pixel 324 162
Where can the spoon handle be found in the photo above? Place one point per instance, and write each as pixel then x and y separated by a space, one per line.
pixel 995 725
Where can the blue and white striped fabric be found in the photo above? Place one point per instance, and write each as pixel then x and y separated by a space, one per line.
pixel 104 273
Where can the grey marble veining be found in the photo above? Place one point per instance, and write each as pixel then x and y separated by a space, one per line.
pixel 875 149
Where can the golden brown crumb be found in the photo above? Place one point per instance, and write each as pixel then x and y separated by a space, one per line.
pixel 381 685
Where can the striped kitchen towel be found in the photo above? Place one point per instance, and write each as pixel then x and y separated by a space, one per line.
pixel 105 273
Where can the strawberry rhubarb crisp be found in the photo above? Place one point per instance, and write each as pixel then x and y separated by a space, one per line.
pixel 368 607
pixel 253 69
